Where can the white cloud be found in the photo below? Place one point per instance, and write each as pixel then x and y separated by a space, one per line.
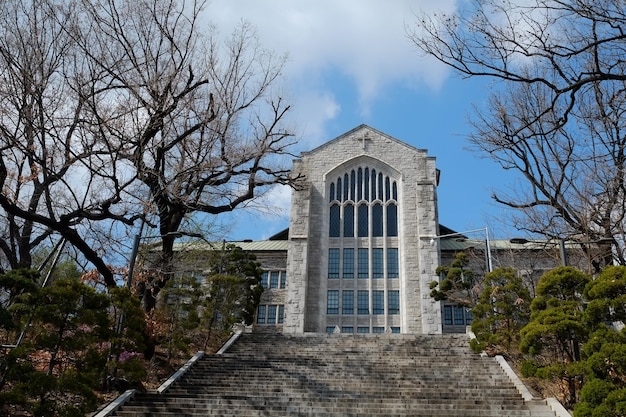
pixel 363 40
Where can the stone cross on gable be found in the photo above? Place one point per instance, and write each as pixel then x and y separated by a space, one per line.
pixel 363 139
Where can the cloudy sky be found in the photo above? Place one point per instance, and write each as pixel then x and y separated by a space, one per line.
pixel 350 62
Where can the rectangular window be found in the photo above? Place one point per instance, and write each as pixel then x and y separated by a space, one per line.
pixel 347 329
pixel 363 263
pixel 271 314
pixel 274 279
pixel 283 279
pixel 333 302
pixel 447 315
pixel 347 299
pixel 333 263
pixel 348 263
pixel 378 269
pixel 378 302
pixel 362 330
pixel 393 300
pixel 395 330
pixel 281 314
pixel 265 279
pixel 363 302
pixel 393 269
pixel 260 318
pixel 378 330
pixel 330 329
pixel 468 316
pixel 459 316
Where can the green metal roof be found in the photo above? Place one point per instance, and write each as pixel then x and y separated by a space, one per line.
pixel 247 245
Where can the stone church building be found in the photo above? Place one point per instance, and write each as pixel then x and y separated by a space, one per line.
pixel 364 242
pixel 359 257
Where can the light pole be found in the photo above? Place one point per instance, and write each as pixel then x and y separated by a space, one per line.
pixel 484 230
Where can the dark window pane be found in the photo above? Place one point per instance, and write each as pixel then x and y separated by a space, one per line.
pixel 379 302
pixel 377 220
pixel 459 316
pixel 378 268
pixel 447 315
pixel 346 187
pixel 394 192
pixel 373 184
pixel 366 185
pixel 363 221
pixel 274 279
pixel 393 269
pixel 333 263
pixel 260 318
pixel 339 190
pixel 347 302
pixel 348 221
pixel 363 263
pixel 333 302
pixel 393 299
pixel 335 225
pixel 363 302
pixel 348 263
pixel 387 189
pixel 281 314
pixel 359 185
pixel 392 220
pixel 271 314
pixel 380 186
pixel 332 192
pixel 352 185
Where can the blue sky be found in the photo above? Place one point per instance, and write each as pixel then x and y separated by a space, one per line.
pixel 350 62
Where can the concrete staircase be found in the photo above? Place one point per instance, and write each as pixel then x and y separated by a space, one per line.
pixel 340 375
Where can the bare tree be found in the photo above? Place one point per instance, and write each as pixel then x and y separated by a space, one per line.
pixel 55 175
pixel 195 119
pixel 114 111
pixel 558 118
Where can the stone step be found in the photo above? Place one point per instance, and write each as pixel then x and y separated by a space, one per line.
pixel 330 375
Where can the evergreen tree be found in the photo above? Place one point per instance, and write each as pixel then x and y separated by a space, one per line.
pixel 556 328
pixel 503 309
pixel 604 391
pixel 457 282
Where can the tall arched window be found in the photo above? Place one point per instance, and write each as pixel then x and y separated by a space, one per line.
pixel 377 220
pixel 363 249
pixel 339 190
pixel 348 220
pixel 363 220
pixel 392 220
pixel 376 195
pixel 335 225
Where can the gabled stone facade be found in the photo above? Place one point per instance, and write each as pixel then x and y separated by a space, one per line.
pixel 369 180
